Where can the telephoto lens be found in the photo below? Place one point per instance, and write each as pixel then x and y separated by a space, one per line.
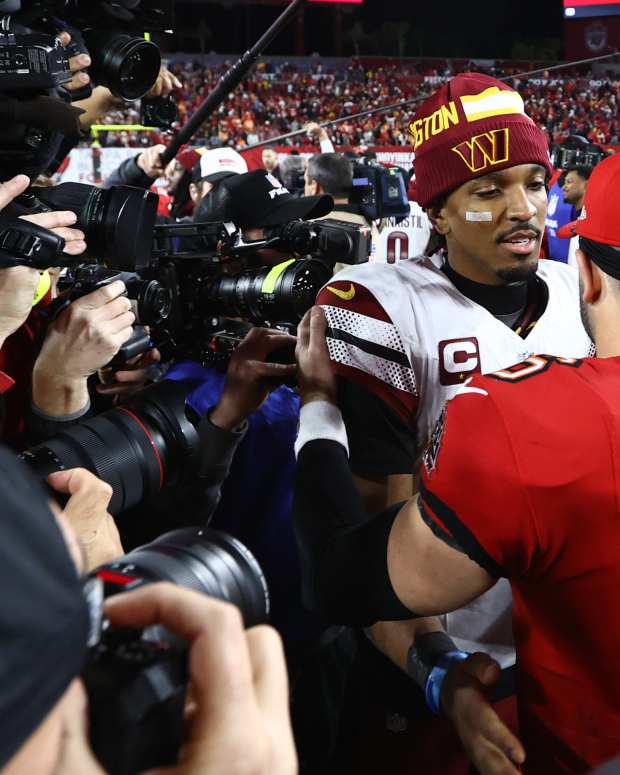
pixel 137 680
pixel 205 560
pixel 279 294
pixel 138 448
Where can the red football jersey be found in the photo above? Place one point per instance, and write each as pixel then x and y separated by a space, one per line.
pixel 523 472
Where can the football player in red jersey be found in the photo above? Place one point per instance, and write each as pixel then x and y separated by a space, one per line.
pixel 520 481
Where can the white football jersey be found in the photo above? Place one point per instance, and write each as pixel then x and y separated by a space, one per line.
pixel 406 333
pixel 398 241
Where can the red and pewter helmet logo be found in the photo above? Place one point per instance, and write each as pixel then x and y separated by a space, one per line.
pixel 458 360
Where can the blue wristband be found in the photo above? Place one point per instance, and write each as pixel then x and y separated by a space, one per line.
pixel 434 682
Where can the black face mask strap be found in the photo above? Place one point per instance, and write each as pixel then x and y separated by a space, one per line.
pixel 606 257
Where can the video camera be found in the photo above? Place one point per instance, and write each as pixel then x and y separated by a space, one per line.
pixel 38 123
pixel 576 151
pixel 137 679
pixel 111 32
pixel 380 192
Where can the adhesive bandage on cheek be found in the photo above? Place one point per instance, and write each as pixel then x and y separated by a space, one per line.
pixel 483 217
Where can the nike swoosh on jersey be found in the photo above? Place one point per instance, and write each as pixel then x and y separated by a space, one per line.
pixel 346 295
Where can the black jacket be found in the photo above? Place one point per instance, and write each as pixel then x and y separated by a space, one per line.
pixel 128 174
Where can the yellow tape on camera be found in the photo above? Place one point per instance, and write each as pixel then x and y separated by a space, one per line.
pixel 269 283
pixel 45 283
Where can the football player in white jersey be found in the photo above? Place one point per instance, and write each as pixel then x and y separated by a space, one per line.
pixel 403 338
pixel 399 240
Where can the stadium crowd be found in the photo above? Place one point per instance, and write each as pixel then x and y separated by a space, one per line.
pixel 281 97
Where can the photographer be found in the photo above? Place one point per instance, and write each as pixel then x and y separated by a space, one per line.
pixel 238 715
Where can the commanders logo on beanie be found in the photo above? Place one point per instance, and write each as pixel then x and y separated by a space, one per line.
pixel 470 127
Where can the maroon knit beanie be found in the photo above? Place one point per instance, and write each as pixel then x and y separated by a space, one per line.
pixel 470 127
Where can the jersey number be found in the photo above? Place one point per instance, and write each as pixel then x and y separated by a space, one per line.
pixel 403 246
pixel 537 364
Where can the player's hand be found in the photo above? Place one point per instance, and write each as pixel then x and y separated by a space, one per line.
pixel 315 377
pixel 249 379
pixel 240 721
pixel 490 745
pixel 149 161
pixel 129 379
pixel 87 513
pixel 165 84
pixel 77 65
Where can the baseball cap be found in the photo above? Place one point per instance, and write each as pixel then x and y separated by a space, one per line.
pixel 472 126
pixel 220 163
pixel 599 220
pixel 259 199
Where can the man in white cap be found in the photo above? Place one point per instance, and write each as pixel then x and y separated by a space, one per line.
pixel 214 166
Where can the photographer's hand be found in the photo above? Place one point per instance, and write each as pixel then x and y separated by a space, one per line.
pixel 83 338
pixel 77 65
pixel 129 379
pixel 87 513
pixel 315 376
pixel 18 284
pixel 249 379
pixel 149 161
pixel 238 682
pixel 165 84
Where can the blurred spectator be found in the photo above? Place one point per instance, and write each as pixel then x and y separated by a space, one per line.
pixel 270 163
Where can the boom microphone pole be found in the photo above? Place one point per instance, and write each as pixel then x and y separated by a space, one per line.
pixel 414 100
pixel 228 82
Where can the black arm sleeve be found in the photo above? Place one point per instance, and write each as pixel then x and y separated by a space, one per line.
pixel 343 553
pixel 380 443
pixel 128 174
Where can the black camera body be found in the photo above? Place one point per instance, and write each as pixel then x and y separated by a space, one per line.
pixel 576 151
pixel 32 63
pixel 380 192
pixel 151 301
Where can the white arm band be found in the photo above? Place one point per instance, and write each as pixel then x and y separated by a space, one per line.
pixel 321 420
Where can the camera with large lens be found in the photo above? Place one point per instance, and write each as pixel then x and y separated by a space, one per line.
pixel 113 35
pixel 136 680
pixel 279 294
pixel 118 222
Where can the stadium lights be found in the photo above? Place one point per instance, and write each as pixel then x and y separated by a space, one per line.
pixel 569 12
